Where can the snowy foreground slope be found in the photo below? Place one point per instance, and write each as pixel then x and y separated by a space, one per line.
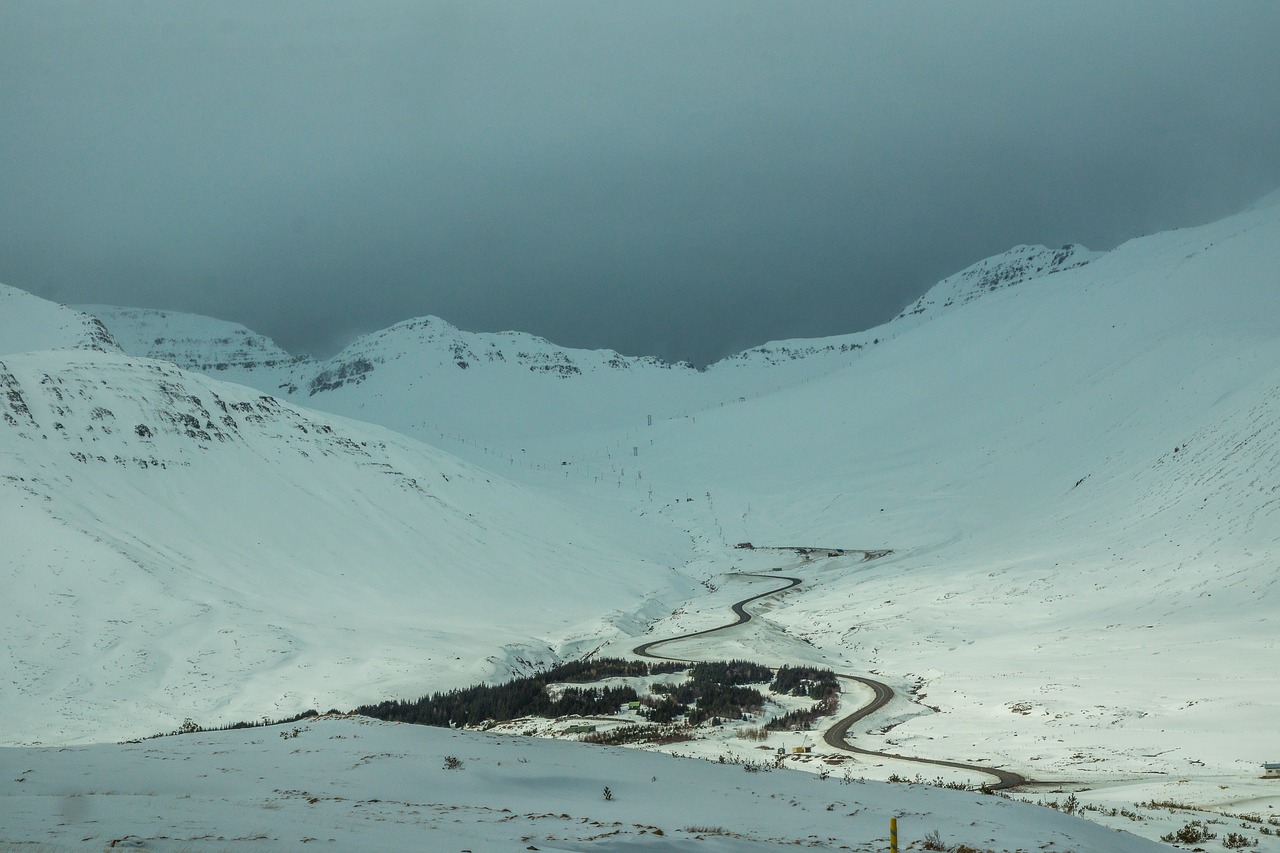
pixel 179 547
pixel 353 784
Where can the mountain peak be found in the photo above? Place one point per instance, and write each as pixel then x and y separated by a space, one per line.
pixel 1020 264
pixel 29 323
pixel 191 341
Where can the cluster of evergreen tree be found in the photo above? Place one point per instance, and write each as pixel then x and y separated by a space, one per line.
pixel 727 701
pixel 730 672
pixel 523 697
pixel 586 671
pixel 664 710
pixel 639 734
pixel 713 690
pixel 805 681
pixel 803 718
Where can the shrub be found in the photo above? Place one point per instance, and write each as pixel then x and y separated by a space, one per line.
pixel 1193 833
pixel 932 841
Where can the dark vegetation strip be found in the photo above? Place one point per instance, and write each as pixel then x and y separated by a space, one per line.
pixel 524 697
pixel 715 690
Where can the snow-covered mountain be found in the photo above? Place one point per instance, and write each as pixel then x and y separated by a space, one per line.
pixel 507 390
pixel 30 323
pixel 1014 267
pixel 178 546
pixel 422 376
pixel 1080 475
pixel 1074 456
pixel 219 348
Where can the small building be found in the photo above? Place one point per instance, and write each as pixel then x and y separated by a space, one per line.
pixel 1271 770
pixel 579 730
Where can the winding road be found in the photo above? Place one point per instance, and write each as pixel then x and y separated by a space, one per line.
pixel 837 735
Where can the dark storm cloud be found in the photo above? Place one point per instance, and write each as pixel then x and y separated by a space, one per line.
pixel 682 179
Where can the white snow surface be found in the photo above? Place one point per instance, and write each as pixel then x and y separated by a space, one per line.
pixel 219 348
pixel 356 784
pixel 30 323
pixel 1074 457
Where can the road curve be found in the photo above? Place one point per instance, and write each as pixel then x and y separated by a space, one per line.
pixel 739 608
pixel 837 735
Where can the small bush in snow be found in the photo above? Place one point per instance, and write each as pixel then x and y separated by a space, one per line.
pixel 932 841
pixel 1193 833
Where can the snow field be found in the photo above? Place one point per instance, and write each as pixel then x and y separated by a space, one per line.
pixel 352 783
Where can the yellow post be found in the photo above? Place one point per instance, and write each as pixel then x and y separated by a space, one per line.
pixel 893 835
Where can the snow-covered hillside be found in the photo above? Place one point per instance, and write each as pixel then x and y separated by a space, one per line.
pixel 1014 267
pixel 1081 481
pixel 30 323
pixel 219 348
pixel 181 547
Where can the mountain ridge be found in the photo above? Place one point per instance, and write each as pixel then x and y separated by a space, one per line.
pixel 177 336
pixel 426 365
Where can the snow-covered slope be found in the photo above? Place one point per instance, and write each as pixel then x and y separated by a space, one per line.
pixel 427 378
pixel 1014 267
pixel 176 546
pixel 30 323
pixel 1081 480
pixel 219 348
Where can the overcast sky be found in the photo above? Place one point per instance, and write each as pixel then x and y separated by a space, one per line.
pixel 681 179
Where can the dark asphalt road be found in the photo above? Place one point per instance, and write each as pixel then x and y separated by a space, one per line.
pixel 837 735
